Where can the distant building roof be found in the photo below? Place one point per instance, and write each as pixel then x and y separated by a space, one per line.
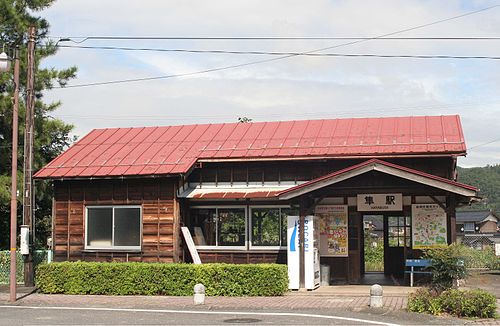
pixel 476 216
pixel 171 150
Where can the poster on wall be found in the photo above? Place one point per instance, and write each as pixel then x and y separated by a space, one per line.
pixel 428 226
pixel 333 230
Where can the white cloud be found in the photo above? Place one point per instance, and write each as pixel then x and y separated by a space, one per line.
pixel 293 88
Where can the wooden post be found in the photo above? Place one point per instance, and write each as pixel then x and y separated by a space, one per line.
pixel 13 189
pixel 28 157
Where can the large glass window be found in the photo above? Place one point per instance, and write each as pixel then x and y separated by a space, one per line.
pixel 269 226
pixel 218 226
pixel 113 227
pixel 231 226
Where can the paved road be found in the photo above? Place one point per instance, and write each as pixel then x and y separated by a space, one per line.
pixel 42 315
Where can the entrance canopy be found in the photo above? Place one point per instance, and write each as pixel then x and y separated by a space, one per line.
pixel 469 192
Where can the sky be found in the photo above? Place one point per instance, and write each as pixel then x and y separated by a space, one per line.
pixel 299 87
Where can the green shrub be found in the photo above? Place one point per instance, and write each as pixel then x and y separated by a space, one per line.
pixel 374 253
pixel 471 303
pixel 162 279
pixel 39 256
pixel 420 301
pixel 484 258
pixel 447 265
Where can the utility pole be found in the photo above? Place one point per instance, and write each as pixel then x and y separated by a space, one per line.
pixel 28 157
pixel 13 189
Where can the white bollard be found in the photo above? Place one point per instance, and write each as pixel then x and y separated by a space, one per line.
pixel 376 300
pixel 199 294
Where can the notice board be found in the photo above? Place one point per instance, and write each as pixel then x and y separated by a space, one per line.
pixel 333 230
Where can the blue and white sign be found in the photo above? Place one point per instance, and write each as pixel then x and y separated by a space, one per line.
pixel 293 252
pixel 311 252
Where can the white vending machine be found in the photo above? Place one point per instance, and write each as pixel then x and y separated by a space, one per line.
pixel 311 252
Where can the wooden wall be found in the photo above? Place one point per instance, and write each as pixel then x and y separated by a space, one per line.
pixel 304 170
pixel 243 257
pixel 161 222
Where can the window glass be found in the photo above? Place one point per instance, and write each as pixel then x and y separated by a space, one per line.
pixel 203 226
pixel 127 226
pixel 399 231
pixel 393 221
pixel 99 227
pixel 266 226
pixel 470 227
pixel 231 227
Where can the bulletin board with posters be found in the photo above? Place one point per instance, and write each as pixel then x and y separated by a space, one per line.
pixel 428 226
pixel 333 230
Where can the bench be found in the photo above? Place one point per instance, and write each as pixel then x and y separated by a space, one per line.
pixel 417 266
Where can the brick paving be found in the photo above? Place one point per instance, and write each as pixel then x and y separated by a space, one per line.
pixel 288 302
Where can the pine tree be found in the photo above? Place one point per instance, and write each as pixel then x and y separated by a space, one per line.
pixel 51 135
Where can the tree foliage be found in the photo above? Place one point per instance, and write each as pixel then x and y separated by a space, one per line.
pixel 487 179
pixel 51 135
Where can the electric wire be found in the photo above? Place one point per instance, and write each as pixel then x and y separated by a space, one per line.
pixel 484 144
pixel 315 115
pixel 264 38
pixel 273 59
pixel 409 56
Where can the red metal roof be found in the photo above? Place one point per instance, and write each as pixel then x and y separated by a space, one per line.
pixel 174 149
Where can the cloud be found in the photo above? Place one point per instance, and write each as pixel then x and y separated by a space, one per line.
pixel 292 88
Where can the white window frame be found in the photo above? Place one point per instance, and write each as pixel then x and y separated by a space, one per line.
pixel 251 246
pixel 112 247
pixel 217 207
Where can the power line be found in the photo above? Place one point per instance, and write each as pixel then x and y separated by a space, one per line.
pixel 276 58
pixel 408 56
pixel 344 112
pixel 483 144
pixel 82 39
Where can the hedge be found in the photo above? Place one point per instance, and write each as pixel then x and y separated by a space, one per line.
pixel 162 279
pixel 39 256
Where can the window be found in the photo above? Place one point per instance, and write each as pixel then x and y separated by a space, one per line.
pixel 399 231
pixel 269 226
pixel 113 227
pixel 224 227
pixel 469 227
pixel 230 227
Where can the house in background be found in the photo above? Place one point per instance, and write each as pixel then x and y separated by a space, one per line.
pixel 122 194
pixel 478 229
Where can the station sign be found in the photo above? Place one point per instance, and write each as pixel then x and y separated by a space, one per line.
pixel 380 202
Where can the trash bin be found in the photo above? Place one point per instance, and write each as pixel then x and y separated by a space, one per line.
pixel 325 275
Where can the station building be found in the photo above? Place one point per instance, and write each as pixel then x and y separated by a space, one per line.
pixel 123 194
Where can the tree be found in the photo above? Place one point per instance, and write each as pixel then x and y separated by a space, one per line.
pixel 244 119
pixel 487 179
pixel 51 135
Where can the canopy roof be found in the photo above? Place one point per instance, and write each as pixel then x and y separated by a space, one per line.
pixel 384 167
pixel 173 150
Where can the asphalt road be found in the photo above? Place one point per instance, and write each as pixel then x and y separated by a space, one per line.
pixel 40 315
